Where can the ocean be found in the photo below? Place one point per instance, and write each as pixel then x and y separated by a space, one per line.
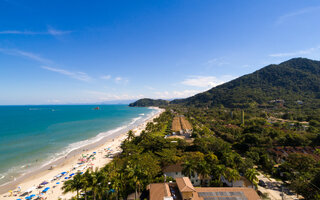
pixel 32 136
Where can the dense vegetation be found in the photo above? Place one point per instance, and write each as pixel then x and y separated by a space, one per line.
pixel 143 158
pixel 149 102
pixel 292 81
pixel 236 125
pixel 253 132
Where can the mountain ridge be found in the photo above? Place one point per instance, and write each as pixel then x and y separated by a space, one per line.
pixel 294 80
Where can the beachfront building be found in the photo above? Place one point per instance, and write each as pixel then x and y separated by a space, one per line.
pixel 183 189
pixel 181 126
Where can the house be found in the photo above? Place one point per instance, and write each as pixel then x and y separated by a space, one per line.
pixel 183 189
pixel 175 171
pixel 160 191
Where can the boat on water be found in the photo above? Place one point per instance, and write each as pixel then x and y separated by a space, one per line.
pixel 97 108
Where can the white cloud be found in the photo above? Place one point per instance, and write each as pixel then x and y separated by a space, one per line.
pixel 287 16
pixel 106 77
pixel 50 31
pixel 55 32
pixel 296 53
pixel 121 80
pixel 98 96
pixel 176 94
pixel 14 32
pixel 217 62
pixel 206 81
pixel 25 54
pixel 76 75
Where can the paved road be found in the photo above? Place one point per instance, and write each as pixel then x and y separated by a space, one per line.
pixel 274 189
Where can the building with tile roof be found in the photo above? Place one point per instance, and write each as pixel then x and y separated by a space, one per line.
pixel 184 190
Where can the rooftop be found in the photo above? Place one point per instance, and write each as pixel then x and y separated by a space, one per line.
pixel 175 191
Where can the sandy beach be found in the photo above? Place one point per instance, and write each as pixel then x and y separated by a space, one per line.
pixel 92 156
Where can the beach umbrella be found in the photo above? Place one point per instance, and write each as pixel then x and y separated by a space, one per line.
pixel 71 174
pixel 58 183
pixel 46 189
pixel 44 183
pixel 66 178
pixel 30 189
pixel 19 199
pixel 63 173
pixel 33 195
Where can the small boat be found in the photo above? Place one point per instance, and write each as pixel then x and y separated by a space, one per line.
pixel 97 108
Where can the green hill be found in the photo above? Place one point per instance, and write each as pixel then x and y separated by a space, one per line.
pixel 292 81
pixel 149 102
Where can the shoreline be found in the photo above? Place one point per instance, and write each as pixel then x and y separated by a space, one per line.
pixel 108 144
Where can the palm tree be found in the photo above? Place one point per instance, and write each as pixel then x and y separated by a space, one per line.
pixel 94 183
pixel 251 175
pixel 134 172
pixel 72 185
pixel 102 184
pixel 188 168
pixel 216 172
pixel 130 135
pixel 203 170
pixel 232 175
pixel 116 185
pixel 85 182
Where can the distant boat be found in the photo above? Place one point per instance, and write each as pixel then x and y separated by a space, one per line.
pixel 97 108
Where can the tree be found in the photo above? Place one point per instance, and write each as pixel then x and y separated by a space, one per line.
pixel 216 172
pixel 317 152
pixel 134 172
pixel 85 182
pixel 203 170
pixel 251 175
pixel 188 168
pixel 130 135
pixel 232 175
pixel 74 184
pixel 94 182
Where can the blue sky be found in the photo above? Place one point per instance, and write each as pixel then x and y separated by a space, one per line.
pixel 57 52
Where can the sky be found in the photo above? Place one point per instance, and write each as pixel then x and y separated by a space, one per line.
pixel 65 52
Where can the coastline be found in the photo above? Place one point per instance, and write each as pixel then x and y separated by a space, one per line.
pixel 107 145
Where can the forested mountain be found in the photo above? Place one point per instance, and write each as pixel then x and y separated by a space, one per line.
pixel 149 102
pixel 294 82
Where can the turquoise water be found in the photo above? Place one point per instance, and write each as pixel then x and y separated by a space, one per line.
pixel 33 135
